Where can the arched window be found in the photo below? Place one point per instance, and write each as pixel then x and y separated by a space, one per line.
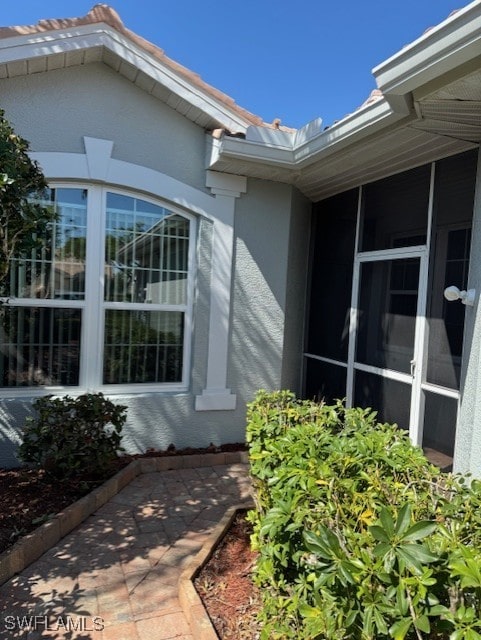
pixel 108 301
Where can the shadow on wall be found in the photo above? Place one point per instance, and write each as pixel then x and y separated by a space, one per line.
pixel 257 332
pixel 12 418
pixel 154 421
pixel 272 232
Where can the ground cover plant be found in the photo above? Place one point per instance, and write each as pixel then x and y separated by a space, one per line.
pixel 359 536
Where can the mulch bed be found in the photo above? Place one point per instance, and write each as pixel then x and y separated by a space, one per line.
pixel 226 588
pixel 29 497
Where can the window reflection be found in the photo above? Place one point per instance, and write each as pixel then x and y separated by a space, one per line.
pixel 146 253
pixel 57 270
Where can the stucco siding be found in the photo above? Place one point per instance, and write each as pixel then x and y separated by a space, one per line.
pixel 258 303
pixel 468 431
pixel 55 109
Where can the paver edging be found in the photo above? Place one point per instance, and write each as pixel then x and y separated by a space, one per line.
pixel 190 601
pixel 30 547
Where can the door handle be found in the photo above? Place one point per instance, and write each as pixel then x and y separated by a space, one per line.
pixel 413 367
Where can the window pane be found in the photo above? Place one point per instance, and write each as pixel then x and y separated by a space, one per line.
pixel 143 346
pixel 390 398
pixel 324 381
pixel 439 422
pixel 395 211
pixel 332 256
pixel 146 252
pixel 39 346
pixel 57 270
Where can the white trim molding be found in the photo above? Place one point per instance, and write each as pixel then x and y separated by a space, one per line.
pixel 97 165
pixel 217 396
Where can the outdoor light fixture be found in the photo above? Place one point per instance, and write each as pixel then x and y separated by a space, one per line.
pixel 453 293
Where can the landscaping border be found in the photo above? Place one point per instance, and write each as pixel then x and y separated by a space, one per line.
pixel 190 601
pixel 31 546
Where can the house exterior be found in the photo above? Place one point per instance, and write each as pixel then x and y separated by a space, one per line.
pixel 202 254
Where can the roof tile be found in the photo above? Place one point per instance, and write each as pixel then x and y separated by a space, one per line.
pixel 103 13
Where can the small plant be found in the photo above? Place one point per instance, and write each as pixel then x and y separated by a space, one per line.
pixel 73 437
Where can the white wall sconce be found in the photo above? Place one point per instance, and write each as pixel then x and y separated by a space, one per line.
pixel 467 297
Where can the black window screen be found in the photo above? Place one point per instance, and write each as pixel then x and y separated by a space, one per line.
pixel 332 256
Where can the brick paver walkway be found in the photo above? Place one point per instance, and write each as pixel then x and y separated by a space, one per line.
pixel 115 576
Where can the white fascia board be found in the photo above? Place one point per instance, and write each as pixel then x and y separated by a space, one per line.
pixel 49 43
pixel 90 36
pixel 348 131
pixel 454 42
pixel 253 151
pixel 352 129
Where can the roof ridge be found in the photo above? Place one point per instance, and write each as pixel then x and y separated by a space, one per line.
pixel 99 13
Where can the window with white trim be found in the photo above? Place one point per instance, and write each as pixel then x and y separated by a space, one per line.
pixel 107 301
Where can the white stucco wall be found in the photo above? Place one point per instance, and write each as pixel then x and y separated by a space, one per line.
pixel 55 111
pixel 262 230
pixel 467 452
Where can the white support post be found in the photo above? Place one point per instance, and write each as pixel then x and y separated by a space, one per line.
pixel 216 396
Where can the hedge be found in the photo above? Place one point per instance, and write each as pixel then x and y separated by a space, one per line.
pixel 359 536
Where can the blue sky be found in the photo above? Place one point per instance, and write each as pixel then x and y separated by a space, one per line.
pixel 290 60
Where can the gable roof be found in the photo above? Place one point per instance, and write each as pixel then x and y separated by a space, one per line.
pixel 100 36
pixel 427 105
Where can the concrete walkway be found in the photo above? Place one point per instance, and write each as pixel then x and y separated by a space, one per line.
pixel 115 576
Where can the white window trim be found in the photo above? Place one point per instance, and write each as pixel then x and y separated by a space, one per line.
pixel 97 165
pixel 93 305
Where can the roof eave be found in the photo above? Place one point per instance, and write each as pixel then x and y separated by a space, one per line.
pixel 440 50
pixel 349 131
pixel 448 48
pixel 59 42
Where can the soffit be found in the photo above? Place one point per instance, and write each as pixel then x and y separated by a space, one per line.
pixel 453 110
pixel 386 153
pixel 180 98
pixel 442 120
pixel 428 107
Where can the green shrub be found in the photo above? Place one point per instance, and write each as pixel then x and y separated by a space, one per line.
pixel 359 536
pixel 72 437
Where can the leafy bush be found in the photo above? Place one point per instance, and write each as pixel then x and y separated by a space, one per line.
pixel 23 221
pixel 359 536
pixel 73 436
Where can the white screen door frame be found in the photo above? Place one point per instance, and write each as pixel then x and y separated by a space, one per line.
pixel 418 362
